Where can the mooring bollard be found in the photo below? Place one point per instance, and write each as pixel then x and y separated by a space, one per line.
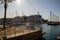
pixel 3 38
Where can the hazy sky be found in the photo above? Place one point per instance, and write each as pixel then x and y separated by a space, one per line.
pixel 31 7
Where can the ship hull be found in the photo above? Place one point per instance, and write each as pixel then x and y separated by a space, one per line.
pixel 53 23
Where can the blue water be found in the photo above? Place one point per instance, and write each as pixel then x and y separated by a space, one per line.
pixel 51 31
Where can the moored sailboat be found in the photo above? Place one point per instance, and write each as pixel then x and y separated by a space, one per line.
pixel 54 20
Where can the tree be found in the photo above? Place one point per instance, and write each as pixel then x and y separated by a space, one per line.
pixel 5 8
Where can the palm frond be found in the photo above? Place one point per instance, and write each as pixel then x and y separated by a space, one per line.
pixel 10 0
pixel 7 0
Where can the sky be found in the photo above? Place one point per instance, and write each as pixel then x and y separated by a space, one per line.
pixel 31 7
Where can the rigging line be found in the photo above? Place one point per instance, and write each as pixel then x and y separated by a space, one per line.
pixel 31 5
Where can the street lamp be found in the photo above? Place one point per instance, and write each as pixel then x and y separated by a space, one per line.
pixel 5 8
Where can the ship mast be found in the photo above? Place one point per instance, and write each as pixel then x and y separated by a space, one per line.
pixel 16 13
pixel 50 16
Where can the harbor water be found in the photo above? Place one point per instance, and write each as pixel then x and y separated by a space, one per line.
pixel 51 31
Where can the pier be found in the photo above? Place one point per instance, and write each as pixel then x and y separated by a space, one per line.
pixel 22 33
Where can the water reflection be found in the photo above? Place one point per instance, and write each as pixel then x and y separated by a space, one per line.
pixel 51 31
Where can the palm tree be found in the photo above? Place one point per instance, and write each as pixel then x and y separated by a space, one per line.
pixel 5 8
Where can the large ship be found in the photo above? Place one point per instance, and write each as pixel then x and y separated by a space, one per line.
pixel 18 33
